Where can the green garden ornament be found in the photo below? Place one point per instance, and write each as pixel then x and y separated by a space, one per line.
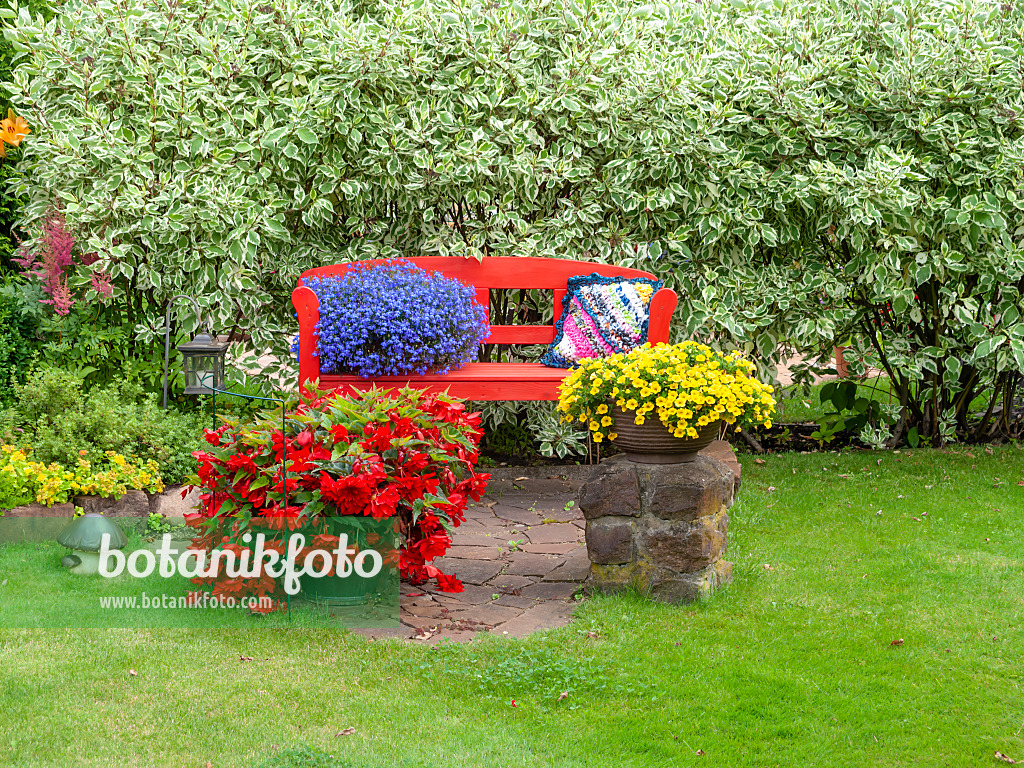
pixel 83 536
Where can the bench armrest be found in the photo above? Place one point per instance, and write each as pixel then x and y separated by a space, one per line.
pixel 663 304
pixel 307 307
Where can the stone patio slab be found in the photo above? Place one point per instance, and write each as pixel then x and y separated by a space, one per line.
pixel 475 553
pixel 554 533
pixel 507 581
pixel 546 615
pixel 469 571
pixel 517 515
pixel 530 564
pixel 545 590
pixel 575 567
pixel 551 549
pixel 492 614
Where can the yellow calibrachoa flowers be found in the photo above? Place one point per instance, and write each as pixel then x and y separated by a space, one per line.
pixel 687 385
pixel 23 480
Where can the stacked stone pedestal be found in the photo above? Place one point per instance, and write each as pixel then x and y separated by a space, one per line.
pixel 658 528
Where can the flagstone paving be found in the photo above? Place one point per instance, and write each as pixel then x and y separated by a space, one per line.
pixel 521 557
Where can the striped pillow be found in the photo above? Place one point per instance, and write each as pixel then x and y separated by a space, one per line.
pixel 601 316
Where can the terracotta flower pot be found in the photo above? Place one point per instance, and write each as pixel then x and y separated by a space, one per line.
pixel 652 443
pixel 842 369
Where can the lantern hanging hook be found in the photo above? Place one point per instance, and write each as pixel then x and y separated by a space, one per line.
pixel 167 332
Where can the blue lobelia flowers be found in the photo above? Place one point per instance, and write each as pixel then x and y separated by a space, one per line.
pixel 395 318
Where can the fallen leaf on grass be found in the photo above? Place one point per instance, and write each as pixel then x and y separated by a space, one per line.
pixel 593 635
pixel 345 732
pixel 701 753
pixel 563 696
pixel 133 673
pixel 759 461
pixel 897 642
pixel 844 476
pixel 1004 758
pixel 767 567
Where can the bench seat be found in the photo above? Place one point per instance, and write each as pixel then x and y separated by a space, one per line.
pixel 481 381
pixel 474 381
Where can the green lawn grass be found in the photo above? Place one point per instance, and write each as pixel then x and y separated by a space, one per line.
pixel 797 406
pixel 836 557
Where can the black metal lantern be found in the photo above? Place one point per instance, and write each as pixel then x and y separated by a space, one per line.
pixel 203 364
pixel 203 357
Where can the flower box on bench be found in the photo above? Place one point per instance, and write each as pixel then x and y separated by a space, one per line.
pixel 481 381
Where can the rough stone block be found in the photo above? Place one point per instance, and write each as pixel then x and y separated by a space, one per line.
pixel 172 505
pixel 613 489
pixel 617 577
pixel 722 451
pixel 610 540
pixel 685 491
pixel 38 510
pixel 684 547
pixel 132 504
pixel 687 587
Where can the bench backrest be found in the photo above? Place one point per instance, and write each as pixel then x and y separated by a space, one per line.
pixel 506 273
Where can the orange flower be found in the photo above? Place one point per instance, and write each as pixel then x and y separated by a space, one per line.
pixel 13 128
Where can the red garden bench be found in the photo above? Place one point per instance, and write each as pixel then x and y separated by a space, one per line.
pixel 481 381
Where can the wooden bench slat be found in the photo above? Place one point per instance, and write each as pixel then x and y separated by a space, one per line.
pixel 521 334
pixel 501 271
pixel 475 381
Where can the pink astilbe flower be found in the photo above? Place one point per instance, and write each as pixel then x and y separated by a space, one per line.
pixel 60 296
pixel 52 258
pixel 101 284
pixel 25 259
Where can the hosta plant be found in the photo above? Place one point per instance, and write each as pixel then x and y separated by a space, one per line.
pixel 686 386
pixel 399 454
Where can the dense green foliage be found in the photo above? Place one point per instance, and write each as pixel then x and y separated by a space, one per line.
pixel 17 341
pixel 59 420
pixel 804 172
pixel 10 205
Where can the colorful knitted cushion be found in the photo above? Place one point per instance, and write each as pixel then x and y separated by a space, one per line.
pixel 601 316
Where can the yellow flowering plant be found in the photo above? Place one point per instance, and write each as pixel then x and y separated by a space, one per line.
pixel 687 386
pixel 23 480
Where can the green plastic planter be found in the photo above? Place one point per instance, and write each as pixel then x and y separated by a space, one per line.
pixel 351 590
